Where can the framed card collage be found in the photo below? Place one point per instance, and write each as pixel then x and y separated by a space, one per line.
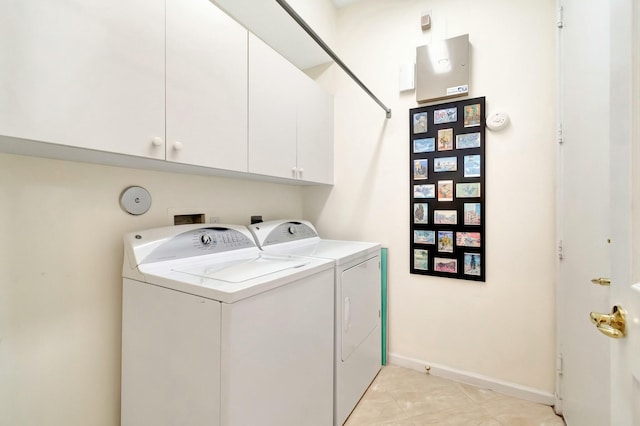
pixel 447 200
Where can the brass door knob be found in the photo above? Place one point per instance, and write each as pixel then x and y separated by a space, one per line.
pixel 601 281
pixel 612 325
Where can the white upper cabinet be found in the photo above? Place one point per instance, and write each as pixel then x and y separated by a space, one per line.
pixel 174 80
pixel 272 112
pixel 206 69
pixel 290 119
pixel 85 73
pixel 314 133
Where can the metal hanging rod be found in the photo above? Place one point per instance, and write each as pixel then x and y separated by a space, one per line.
pixel 331 53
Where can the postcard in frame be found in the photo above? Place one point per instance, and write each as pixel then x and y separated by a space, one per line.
pixel 420 169
pixel 472 264
pixel 447 115
pixel 443 264
pixel 420 122
pixel 421 259
pixel 472 215
pixel 472 115
pixel 468 140
pixel 424 145
pixel 420 213
pixel 445 164
pixel 445 190
pixel 471 166
pixel 424 237
pixel 445 241
pixel 468 190
pixel 424 191
pixel 445 217
pixel 445 140
pixel 468 239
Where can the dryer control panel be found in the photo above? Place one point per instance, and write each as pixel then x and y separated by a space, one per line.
pixel 276 233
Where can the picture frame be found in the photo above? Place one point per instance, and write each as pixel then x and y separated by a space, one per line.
pixel 468 190
pixel 472 213
pixel 468 140
pixel 424 191
pixel 447 115
pixel 421 169
pixel 424 237
pixel 421 213
pixel 445 241
pixel 472 265
pixel 445 139
pixel 468 239
pixel 472 165
pixel 445 264
pixel 421 259
pixel 472 114
pixel 445 217
pixel 445 164
pixel 424 145
pixel 420 122
pixel 447 190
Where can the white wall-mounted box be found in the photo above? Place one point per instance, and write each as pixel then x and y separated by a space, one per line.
pixel 442 69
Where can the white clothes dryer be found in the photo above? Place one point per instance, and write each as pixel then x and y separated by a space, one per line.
pixel 357 332
pixel 217 332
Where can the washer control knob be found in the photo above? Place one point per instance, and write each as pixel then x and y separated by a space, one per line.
pixel 206 239
pixel 292 230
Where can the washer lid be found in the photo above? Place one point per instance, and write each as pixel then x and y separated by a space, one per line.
pixel 338 250
pixel 231 278
pixel 244 269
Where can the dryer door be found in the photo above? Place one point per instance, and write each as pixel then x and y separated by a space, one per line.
pixel 360 303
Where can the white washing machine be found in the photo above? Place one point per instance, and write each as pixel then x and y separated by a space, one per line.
pixel 217 332
pixel 358 337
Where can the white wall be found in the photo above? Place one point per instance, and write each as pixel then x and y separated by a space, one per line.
pixel 503 329
pixel 61 231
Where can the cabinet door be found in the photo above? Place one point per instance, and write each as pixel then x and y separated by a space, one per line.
pixel 272 112
pixel 86 73
pixel 314 133
pixel 206 86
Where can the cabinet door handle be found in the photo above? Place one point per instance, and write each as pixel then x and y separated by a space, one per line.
pixel 157 141
pixel 294 172
pixel 300 171
pixel 178 146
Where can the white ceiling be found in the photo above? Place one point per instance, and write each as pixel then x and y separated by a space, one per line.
pixel 271 23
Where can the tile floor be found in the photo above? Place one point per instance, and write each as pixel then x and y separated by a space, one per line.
pixel 404 397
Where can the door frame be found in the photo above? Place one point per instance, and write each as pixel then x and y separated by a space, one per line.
pixel 625 153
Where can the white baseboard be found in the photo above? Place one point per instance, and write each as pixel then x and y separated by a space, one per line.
pixel 512 389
